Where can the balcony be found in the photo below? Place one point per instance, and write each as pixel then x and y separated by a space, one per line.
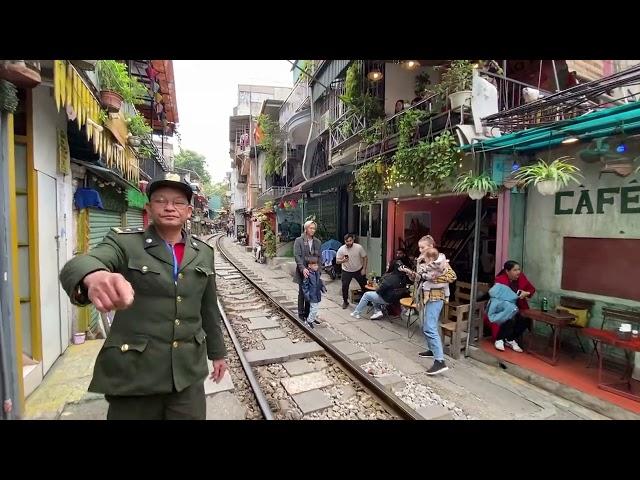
pixel 345 130
pixel 297 100
pixel 272 193
pixel 518 113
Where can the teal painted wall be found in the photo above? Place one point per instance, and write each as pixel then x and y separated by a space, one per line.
pixel 536 234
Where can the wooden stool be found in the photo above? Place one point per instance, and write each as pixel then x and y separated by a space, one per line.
pixel 356 295
pixel 411 307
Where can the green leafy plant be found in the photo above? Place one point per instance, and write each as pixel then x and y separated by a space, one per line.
pixel 423 83
pixel 138 126
pixel 271 143
pixel 427 164
pixel 145 151
pixel 456 78
pixel 113 76
pixel 270 242
pixel 373 134
pixel 8 96
pixel 559 171
pixel 357 99
pixel 480 183
pixel 370 180
pixel 103 116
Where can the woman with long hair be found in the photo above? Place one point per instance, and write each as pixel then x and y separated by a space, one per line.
pixel 513 277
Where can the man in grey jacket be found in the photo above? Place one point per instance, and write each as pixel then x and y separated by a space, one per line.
pixel 306 245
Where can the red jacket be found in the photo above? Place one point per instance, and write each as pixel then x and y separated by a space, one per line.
pixel 523 284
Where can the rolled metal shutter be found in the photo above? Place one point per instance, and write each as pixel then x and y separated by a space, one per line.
pixel 135 218
pixel 100 224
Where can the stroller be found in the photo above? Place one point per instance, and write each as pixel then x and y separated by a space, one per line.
pixel 328 252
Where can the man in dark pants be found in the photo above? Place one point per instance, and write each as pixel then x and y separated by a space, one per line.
pixel 153 364
pixel 353 260
pixel 306 245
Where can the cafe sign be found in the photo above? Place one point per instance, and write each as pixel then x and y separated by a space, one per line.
pixel 589 202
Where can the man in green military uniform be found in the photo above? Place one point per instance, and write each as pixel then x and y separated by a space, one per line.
pixel 161 281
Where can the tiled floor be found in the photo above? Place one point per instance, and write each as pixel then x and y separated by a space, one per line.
pixel 571 370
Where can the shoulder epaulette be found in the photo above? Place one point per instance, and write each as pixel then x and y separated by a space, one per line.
pixel 128 229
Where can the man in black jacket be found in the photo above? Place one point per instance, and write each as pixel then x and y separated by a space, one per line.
pixel 392 288
pixel 306 245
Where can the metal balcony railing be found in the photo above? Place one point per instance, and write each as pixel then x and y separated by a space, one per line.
pixel 297 100
pixel 345 128
pixel 274 192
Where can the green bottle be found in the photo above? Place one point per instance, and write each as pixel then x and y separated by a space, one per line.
pixel 545 304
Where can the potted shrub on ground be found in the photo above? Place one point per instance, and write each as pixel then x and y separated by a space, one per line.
pixel 549 178
pixel 476 186
pixel 455 84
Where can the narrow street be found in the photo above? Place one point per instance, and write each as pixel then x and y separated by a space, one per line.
pixel 484 216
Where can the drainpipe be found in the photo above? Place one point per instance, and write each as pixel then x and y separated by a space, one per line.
pixel 306 147
pixel 9 403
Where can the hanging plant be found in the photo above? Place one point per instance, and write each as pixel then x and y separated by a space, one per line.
pixel 370 180
pixel 271 144
pixel 477 186
pixel 440 162
pixel 426 164
pixel 373 134
pixel 8 96
pixel 549 178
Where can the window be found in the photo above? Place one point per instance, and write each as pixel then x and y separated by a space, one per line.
pixel 376 220
pixel 364 221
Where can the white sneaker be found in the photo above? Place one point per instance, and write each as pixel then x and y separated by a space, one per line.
pixel 376 315
pixel 499 345
pixel 513 344
pixel 355 315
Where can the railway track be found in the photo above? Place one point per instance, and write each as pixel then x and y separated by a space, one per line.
pixel 293 371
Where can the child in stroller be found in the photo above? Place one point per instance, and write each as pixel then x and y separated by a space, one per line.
pixel 328 252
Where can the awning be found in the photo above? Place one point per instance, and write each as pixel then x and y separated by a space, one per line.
pixel 333 178
pixel 596 124
pixel 105 173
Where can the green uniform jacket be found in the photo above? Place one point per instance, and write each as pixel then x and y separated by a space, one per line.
pixel 163 339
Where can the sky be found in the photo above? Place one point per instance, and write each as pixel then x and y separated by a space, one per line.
pixel 207 91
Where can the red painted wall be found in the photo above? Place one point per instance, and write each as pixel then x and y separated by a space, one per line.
pixel 442 210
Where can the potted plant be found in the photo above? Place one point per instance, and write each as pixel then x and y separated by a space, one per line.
pixel 548 177
pixel 455 84
pixel 476 186
pixel 117 86
pixel 370 180
pixel 138 127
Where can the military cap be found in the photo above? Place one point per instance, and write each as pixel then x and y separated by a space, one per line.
pixel 171 180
